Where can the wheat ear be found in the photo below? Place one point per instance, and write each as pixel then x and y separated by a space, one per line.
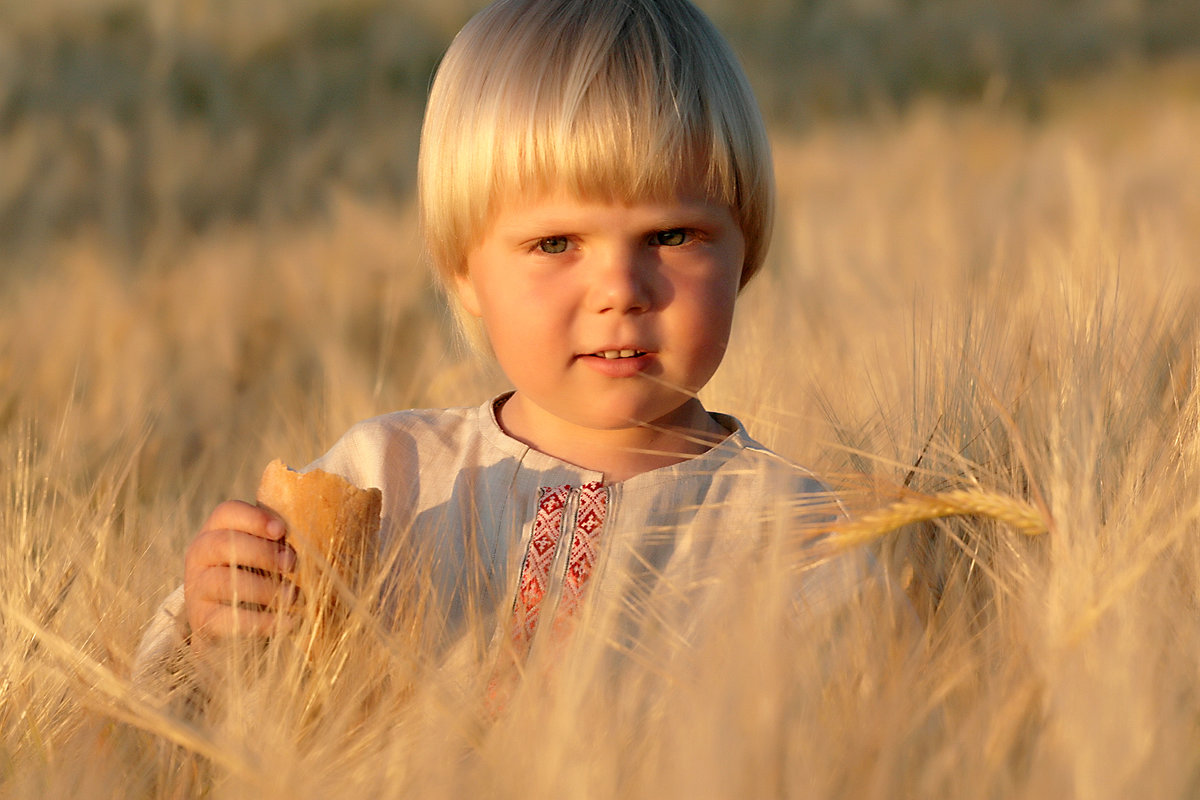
pixel 922 508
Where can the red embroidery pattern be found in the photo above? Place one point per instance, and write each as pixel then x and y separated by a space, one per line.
pixel 535 572
pixel 589 524
pixel 535 576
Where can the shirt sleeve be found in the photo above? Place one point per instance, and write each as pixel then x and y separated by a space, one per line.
pixel 163 641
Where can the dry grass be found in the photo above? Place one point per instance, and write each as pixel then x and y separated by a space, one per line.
pixel 871 525
pixel 959 300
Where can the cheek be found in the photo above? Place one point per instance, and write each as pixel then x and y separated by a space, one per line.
pixel 515 318
pixel 715 309
pixel 706 329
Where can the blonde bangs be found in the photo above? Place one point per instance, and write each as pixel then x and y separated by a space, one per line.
pixel 598 154
pixel 622 101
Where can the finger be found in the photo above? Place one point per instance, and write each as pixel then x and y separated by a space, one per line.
pixel 225 622
pixel 234 586
pixel 236 515
pixel 217 590
pixel 233 547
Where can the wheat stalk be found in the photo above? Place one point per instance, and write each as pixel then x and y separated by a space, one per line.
pixel 921 508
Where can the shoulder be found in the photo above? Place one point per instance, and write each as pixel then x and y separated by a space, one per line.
pixel 796 506
pixel 738 487
pixel 750 468
pixel 423 424
pixel 397 443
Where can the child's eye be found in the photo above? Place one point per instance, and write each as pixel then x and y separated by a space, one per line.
pixel 671 238
pixel 553 245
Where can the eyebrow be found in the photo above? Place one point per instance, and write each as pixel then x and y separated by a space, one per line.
pixel 554 222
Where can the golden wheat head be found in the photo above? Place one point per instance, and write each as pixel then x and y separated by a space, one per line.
pixel 1015 513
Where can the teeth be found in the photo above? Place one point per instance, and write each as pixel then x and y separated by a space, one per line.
pixel 618 353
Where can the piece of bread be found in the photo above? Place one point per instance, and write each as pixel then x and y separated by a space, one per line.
pixel 330 523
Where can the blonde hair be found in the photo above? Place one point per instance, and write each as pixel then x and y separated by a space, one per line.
pixel 617 99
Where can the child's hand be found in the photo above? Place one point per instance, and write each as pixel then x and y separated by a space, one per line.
pixel 239 557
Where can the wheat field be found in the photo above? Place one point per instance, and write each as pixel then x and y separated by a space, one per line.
pixel 961 296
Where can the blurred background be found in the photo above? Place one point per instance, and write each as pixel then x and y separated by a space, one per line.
pixel 150 120
pixel 984 275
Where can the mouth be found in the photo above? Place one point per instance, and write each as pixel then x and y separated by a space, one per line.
pixel 622 361
pixel 614 354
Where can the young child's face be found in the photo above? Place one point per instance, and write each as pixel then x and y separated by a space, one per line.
pixel 605 315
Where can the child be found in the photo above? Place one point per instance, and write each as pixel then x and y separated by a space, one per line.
pixel 596 188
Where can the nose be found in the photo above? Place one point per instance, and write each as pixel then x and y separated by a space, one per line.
pixel 621 281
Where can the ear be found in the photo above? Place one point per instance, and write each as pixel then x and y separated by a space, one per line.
pixel 464 287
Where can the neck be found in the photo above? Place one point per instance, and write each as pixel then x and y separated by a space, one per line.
pixel 618 453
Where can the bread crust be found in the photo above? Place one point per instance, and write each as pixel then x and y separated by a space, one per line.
pixel 330 523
